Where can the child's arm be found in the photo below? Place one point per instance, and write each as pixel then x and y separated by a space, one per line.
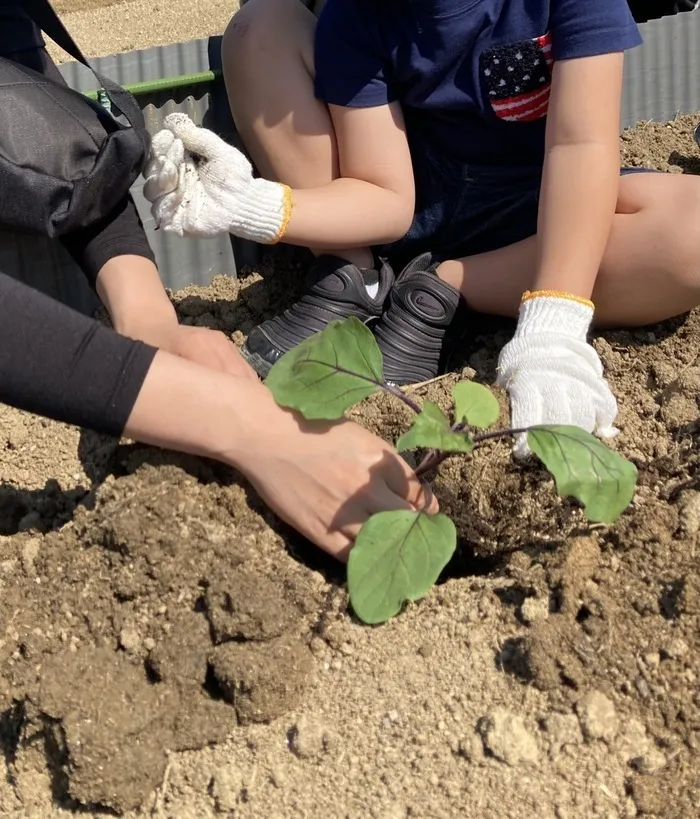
pixel 202 186
pixel 551 372
pixel 581 172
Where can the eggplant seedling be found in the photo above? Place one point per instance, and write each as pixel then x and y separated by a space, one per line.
pixel 398 555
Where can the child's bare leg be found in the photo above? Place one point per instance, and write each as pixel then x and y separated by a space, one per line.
pixel 268 62
pixel 650 270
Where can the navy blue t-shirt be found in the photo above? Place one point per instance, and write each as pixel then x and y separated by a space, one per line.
pixel 472 76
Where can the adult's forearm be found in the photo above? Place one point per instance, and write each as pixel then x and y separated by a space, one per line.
pixel 131 289
pixel 577 203
pixel 190 408
pixel 60 364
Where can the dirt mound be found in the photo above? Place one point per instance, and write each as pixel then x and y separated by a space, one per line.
pixel 167 646
pixel 155 621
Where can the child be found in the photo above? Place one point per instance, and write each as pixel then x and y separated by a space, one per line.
pixel 475 143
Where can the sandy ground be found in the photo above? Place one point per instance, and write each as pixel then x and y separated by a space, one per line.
pixel 103 27
pixel 168 648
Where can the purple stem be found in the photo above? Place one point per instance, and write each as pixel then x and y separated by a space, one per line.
pixel 395 391
pixel 434 458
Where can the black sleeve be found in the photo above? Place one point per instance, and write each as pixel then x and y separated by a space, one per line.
pixel 60 364
pixel 119 234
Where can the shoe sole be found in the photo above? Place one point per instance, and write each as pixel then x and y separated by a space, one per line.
pixel 257 362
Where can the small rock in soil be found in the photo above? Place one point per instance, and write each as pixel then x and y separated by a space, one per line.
pixel 247 605
pixel 278 777
pixel 130 640
pixel 309 738
pixel 676 649
pixel 534 608
pixel 563 729
pixel 226 787
pixel 30 552
pixel 471 747
pixel 689 515
pixel 263 680
pixel 649 763
pixel 597 715
pixel 632 740
pixel 506 737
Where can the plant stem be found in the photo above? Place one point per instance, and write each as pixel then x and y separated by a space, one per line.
pixel 397 393
pixel 497 433
pixel 432 461
pixel 434 457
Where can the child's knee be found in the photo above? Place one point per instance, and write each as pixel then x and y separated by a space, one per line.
pixel 264 31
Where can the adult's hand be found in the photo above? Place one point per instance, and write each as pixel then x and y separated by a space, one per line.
pixel 210 348
pixel 326 480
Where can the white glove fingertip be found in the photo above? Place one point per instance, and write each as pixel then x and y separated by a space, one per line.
pixel 196 140
pixel 521 449
pixel 607 431
pixel 176 152
pixel 161 142
pixel 177 121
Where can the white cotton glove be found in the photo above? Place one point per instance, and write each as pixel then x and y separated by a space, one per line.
pixel 199 186
pixel 166 172
pixel 551 373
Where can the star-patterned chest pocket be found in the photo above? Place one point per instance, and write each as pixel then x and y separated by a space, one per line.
pixel 517 78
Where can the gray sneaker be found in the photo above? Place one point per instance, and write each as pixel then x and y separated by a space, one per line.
pixel 335 289
pixel 411 332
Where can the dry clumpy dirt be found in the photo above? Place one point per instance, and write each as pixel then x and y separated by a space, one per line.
pixel 168 648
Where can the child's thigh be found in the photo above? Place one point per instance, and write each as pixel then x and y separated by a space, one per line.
pixel 658 193
pixel 650 269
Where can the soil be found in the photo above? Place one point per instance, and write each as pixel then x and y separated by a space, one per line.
pixel 168 648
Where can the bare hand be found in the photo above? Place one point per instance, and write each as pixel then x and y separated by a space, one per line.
pixel 326 479
pixel 210 348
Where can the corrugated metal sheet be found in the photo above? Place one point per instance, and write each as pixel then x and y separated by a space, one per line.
pixel 662 78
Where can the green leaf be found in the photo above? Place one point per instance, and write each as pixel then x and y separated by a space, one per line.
pixel 586 469
pixel 329 372
pixel 475 404
pixel 397 556
pixel 431 429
